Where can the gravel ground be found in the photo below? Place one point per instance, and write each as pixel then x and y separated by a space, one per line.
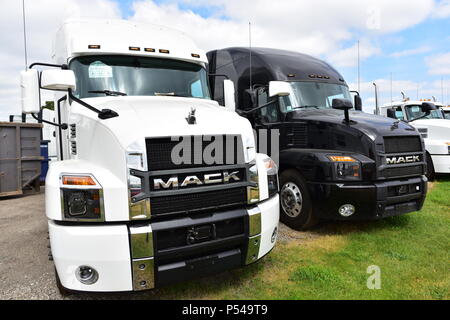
pixel 25 270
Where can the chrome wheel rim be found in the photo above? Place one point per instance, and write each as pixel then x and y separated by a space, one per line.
pixel 291 199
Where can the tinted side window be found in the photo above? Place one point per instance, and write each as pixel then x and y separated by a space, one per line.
pixel 270 113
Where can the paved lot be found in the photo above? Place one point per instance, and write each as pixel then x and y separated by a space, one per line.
pixel 25 270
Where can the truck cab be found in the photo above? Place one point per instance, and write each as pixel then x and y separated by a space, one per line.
pixel 446 112
pixel 155 183
pixel 335 162
pixel 433 127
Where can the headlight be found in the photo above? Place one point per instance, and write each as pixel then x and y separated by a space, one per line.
pixel 346 168
pixel 265 168
pixel 253 191
pixel 272 176
pixel 81 198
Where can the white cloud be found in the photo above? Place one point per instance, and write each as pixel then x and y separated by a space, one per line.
pixel 442 9
pixel 317 28
pixel 438 64
pixel 349 57
pixel 43 18
pixel 411 52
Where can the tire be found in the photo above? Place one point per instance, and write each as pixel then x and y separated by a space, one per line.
pixel 295 201
pixel 62 290
pixel 430 168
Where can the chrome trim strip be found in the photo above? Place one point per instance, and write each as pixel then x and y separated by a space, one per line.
pixel 194 170
pixel 253 249
pixel 143 274
pixel 254 221
pixel 140 210
pixel 141 242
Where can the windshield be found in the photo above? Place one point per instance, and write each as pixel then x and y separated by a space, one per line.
pixel 447 114
pixel 138 76
pixel 415 111
pixel 314 95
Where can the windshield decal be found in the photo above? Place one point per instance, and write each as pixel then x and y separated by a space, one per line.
pixel 98 69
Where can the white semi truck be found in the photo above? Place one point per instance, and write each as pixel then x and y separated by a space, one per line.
pixel 432 125
pixel 446 112
pixel 155 183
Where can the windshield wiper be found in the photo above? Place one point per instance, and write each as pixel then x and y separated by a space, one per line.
pixel 109 92
pixel 170 94
pixel 310 106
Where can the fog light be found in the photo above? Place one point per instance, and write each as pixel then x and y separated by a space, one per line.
pixel 347 210
pixel 86 275
pixel 274 235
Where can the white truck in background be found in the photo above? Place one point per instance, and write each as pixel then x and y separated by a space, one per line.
pixel 446 112
pixel 155 183
pixel 434 128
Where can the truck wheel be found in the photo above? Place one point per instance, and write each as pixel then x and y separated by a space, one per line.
pixel 430 168
pixel 62 290
pixel 296 205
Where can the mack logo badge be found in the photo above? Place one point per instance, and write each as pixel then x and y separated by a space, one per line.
pixel 400 160
pixel 206 179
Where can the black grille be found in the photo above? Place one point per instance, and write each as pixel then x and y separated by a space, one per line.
pixel 159 151
pixel 176 238
pixel 299 136
pixel 404 171
pixel 185 203
pixel 402 144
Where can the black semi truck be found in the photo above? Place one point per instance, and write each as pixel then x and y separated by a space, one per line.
pixel 335 161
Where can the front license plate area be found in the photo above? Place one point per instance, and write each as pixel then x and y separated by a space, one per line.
pixel 201 234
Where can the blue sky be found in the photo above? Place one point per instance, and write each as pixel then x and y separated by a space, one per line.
pixel 409 39
pixel 401 53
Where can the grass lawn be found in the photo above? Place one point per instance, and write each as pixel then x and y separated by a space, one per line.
pixel 412 251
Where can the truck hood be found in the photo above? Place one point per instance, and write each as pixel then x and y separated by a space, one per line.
pixel 436 129
pixel 142 117
pixel 369 124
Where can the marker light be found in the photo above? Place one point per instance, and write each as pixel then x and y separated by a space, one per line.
pixel 149 50
pixel 78 181
pixel 94 46
pixel 341 159
pixel 195 55
pixel 163 51
pixel 134 48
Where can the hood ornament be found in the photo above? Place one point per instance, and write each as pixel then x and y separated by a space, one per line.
pixel 191 117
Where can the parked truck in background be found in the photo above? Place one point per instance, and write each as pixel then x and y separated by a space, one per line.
pixel 446 112
pixel 433 126
pixel 334 163
pixel 123 212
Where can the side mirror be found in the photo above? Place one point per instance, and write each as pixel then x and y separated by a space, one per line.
pixel 58 79
pixel 29 84
pixel 427 107
pixel 358 103
pixel 279 88
pixel 343 104
pixel 357 100
pixel 228 95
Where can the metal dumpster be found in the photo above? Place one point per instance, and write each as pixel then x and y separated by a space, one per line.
pixel 20 158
